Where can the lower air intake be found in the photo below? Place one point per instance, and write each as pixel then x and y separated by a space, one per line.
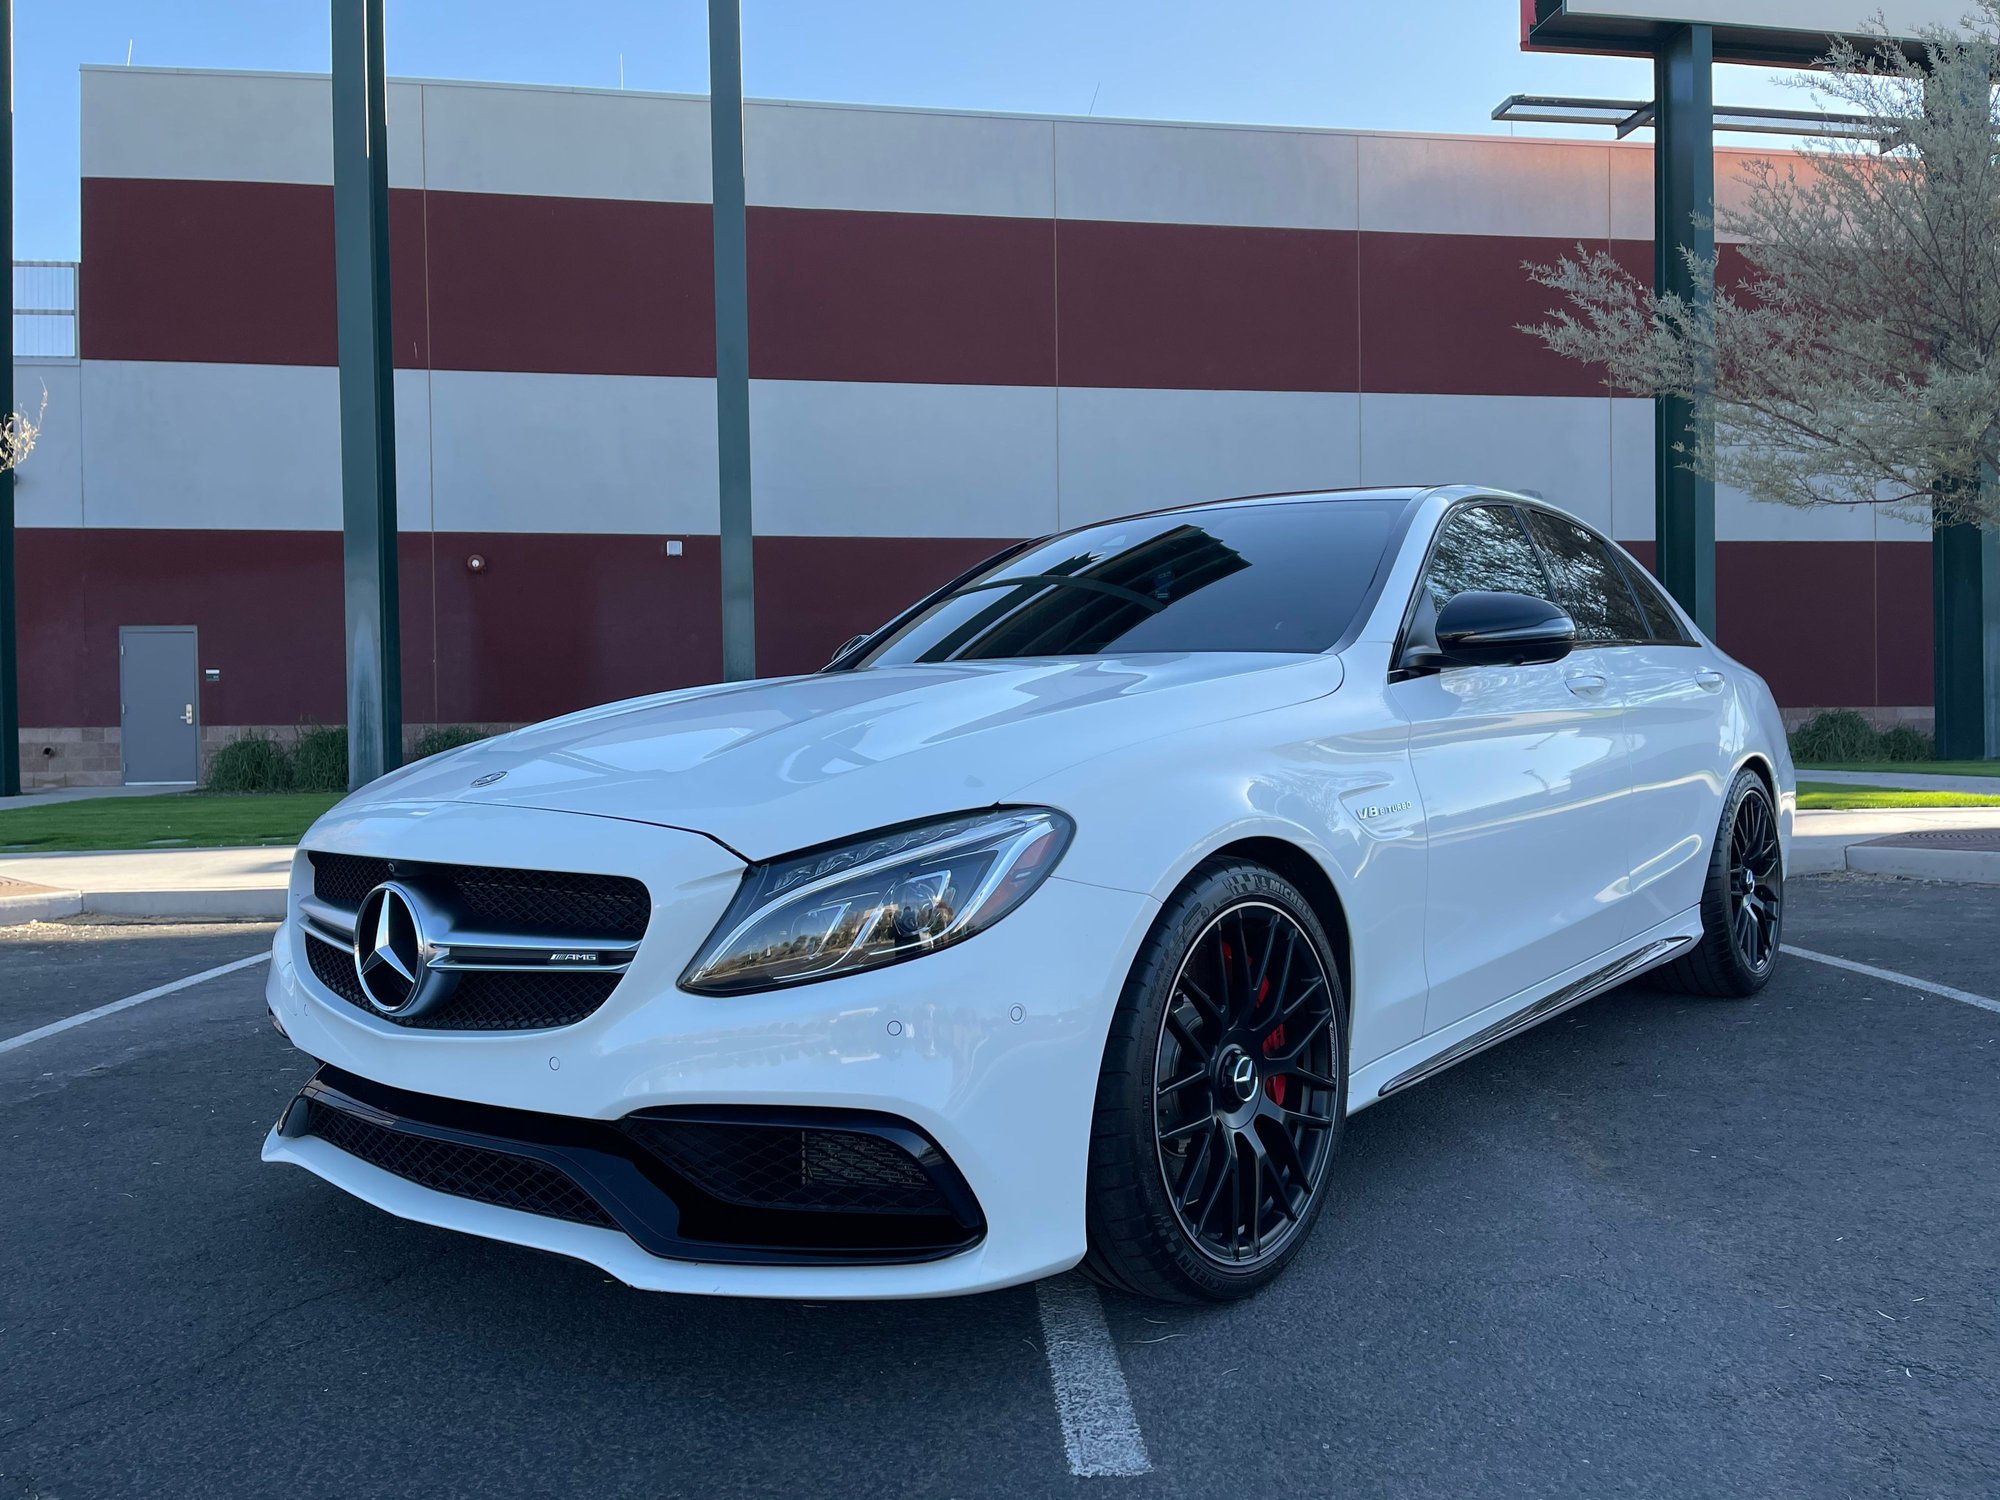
pixel 463 1171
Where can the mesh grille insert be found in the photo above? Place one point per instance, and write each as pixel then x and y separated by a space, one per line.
pixel 498 1001
pixel 552 902
pixel 768 1166
pixel 463 1171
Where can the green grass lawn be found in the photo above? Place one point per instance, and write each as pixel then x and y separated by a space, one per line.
pixel 1909 767
pixel 182 820
pixel 1829 796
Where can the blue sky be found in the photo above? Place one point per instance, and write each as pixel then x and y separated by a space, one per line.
pixel 1390 64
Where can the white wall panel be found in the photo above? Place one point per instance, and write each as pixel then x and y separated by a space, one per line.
pixel 629 454
pixel 1632 469
pixel 1193 174
pixel 572 143
pixel 229 127
pixel 48 486
pixel 251 447
pixel 840 459
pixel 897 161
pixel 1632 187
pixel 1134 450
pixel 1557 446
pixel 1452 185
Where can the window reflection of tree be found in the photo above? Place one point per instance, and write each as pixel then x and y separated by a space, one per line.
pixel 1588 585
pixel 1085 604
pixel 1483 547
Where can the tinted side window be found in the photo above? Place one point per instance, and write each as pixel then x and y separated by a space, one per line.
pixel 1589 583
pixel 1664 624
pixel 1483 547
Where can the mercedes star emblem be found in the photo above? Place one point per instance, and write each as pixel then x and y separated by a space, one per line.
pixel 391 953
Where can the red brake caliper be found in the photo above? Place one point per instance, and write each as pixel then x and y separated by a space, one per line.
pixel 1275 1084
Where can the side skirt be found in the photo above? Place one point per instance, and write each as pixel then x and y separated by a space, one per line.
pixel 1552 1004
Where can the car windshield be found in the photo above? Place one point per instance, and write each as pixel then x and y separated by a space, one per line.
pixel 1285 577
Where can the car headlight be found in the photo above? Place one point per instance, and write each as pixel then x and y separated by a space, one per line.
pixel 877 900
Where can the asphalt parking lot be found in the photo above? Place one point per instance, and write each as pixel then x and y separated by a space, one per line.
pixel 1657 1247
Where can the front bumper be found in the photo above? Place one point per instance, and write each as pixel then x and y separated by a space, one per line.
pixel 991 1049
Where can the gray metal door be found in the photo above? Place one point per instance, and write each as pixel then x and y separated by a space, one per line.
pixel 157 672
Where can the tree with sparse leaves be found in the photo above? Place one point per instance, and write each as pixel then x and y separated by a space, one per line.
pixel 17 435
pixel 1855 360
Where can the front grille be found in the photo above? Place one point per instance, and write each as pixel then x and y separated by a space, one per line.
pixel 463 1171
pixel 560 906
pixel 557 903
pixel 768 1166
pixel 497 1001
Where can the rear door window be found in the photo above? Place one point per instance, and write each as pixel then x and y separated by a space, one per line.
pixel 1589 583
pixel 1483 547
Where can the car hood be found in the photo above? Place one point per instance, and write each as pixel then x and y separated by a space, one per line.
pixel 772 766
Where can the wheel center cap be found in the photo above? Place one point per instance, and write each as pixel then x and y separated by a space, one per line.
pixel 1239 1074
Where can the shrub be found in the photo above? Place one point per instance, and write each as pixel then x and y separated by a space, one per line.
pixel 446 737
pixel 319 759
pixel 1907 743
pixel 255 763
pixel 1838 734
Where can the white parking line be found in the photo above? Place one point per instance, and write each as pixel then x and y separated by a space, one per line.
pixel 1964 997
pixel 81 1017
pixel 1099 1431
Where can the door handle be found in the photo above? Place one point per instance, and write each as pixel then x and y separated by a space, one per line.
pixel 187 714
pixel 1587 684
pixel 1709 680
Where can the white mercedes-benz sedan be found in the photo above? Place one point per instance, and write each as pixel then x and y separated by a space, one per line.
pixel 1063 919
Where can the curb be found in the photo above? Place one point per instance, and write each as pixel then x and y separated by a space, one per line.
pixel 1969 866
pixel 39 904
pixel 265 902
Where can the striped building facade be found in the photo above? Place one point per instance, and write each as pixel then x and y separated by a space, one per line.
pixel 965 329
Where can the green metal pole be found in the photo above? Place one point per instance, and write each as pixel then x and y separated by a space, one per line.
pixel 1962 661
pixel 1683 220
pixel 732 339
pixel 10 637
pixel 367 392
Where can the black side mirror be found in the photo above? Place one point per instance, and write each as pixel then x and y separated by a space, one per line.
pixel 1481 629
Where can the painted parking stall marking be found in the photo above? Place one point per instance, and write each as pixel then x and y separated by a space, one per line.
pixel 1964 997
pixel 1100 1432
pixel 83 1018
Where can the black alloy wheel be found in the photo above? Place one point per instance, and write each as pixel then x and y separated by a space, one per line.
pixel 1742 900
pixel 1223 1092
pixel 1756 886
pixel 1243 1085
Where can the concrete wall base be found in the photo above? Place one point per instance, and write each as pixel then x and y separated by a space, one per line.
pixel 90 755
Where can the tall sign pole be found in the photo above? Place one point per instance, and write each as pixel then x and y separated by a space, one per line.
pixel 10 638
pixel 367 391
pixel 1684 226
pixel 732 338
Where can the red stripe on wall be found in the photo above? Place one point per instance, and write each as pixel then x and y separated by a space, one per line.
pixel 553 623
pixel 1204 307
pixel 916 298
pixel 229 272
pixel 549 624
pixel 573 285
pixel 243 272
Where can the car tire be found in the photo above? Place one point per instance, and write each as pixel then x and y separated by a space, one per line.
pixel 1742 900
pixel 1225 1074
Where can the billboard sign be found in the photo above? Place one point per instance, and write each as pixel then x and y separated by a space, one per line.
pixel 1763 31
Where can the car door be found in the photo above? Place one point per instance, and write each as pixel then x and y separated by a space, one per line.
pixel 1673 695
pixel 1522 772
